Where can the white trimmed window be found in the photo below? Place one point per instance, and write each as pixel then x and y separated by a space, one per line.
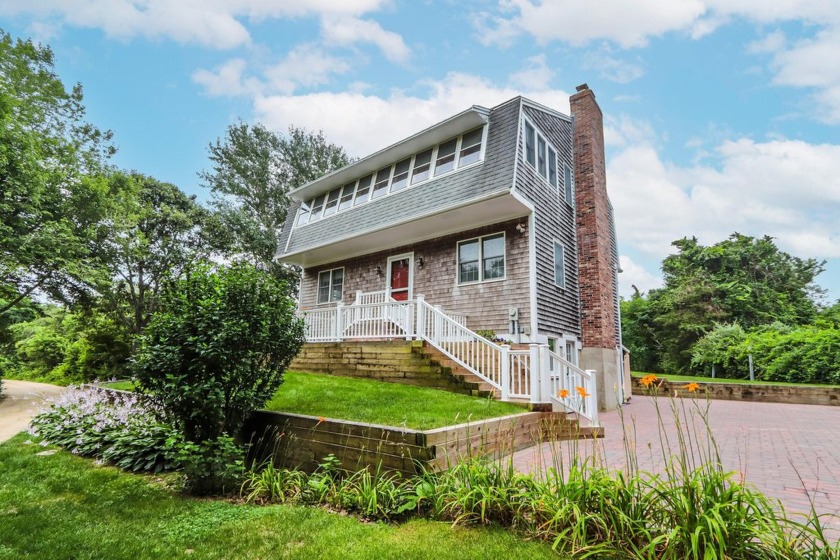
pixel 330 285
pixel 481 259
pixel 569 185
pixel 559 265
pixel 541 155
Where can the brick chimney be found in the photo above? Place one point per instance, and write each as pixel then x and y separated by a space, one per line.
pixel 596 247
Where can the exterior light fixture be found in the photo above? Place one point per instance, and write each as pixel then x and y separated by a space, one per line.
pixel 420 262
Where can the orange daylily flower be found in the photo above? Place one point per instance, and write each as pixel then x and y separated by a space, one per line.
pixel 581 391
pixel 691 387
pixel 648 380
pixel 562 393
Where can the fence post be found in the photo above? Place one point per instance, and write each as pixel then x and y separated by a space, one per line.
pixel 358 297
pixel 592 399
pixel 337 323
pixel 505 357
pixel 409 320
pixel 545 374
pixel 534 368
pixel 421 317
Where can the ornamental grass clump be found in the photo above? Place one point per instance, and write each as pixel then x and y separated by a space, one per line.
pixel 121 428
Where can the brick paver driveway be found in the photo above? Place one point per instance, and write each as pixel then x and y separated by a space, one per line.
pixel 787 451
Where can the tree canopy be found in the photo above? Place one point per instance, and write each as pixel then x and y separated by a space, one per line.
pixel 253 171
pixel 50 190
pixel 743 280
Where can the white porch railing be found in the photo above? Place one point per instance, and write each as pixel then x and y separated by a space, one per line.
pixel 536 374
pixel 573 388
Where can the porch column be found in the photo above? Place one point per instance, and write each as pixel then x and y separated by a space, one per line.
pixel 338 328
pixel 421 317
pixel 534 368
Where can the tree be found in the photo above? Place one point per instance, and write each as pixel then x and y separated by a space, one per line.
pixel 214 352
pixel 253 171
pixel 50 195
pixel 154 231
pixel 742 280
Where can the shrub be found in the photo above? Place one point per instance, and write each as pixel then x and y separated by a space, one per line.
pixel 120 428
pixel 215 351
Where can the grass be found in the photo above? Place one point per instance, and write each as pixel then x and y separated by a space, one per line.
pixel 63 506
pixel 378 402
pixel 706 379
pixel 121 385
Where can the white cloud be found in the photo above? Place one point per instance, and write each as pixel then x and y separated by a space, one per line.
pixel 304 66
pixel 634 274
pixel 788 189
pixel 632 23
pixel 211 23
pixel 351 30
pixel 364 123
pixel 536 76
pixel 227 79
pixel 612 68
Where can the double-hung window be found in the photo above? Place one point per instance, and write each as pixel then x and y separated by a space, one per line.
pixel 470 147
pixel 422 166
pixel 400 179
pixel 330 285
pixel 481 259
pixel 569 183
pixel 446 157
pixel 559 265
pixel 530 144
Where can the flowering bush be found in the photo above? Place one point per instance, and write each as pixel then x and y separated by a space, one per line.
pixel 121 428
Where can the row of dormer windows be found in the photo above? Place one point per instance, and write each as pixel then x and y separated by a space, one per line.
pixel 439 160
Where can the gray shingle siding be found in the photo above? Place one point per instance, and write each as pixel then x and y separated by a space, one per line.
pixel 558 309
pixel 494 174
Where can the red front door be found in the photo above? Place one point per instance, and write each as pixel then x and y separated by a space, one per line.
pixel 400 277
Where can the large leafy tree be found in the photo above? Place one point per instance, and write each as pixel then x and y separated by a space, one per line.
pixel 253 171
pixel 154 231
pixel 743 280
pixel 51 193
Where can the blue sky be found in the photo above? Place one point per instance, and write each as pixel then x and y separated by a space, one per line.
pixel 721 115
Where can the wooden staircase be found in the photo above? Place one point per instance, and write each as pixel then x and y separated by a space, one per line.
pixel 395 361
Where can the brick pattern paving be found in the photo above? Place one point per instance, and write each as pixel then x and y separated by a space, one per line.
pixel 790 452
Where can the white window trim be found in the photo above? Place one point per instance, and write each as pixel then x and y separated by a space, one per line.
pixel 563 250
pixel 559 163
pixel 318 287
pixel 432 177
pixel 568 188
pixel 481 279
pixel 410 257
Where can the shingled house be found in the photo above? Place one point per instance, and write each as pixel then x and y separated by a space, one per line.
pixel 491 220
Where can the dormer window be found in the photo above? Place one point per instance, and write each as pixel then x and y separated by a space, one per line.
pixel 542 156
pixel 422 166
pixel 455 153
pixel 446 157
pixel 470 147
pixel 401 175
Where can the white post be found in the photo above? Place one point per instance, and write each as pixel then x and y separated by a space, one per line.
pixel 592 399
pixel 409 320
pixel 505 371
pixel 545 374
pixel 439 334
pixel 337 324
pixel 534 367
pixel 421 317
pixel 358 297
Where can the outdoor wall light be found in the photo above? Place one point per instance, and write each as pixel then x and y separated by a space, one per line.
pixel 520 228
pixel 420 262
pixel 379 270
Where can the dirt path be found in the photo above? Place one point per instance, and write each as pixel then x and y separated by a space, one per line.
pixel 20 402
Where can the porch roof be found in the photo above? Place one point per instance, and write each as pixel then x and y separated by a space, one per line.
pixel 486 210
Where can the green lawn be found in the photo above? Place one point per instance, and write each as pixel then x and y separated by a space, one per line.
pixel 703 379
pixel 121 385
pixel 63 506
pixel 378 402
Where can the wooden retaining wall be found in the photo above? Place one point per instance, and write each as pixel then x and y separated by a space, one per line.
pixel 303 441
pixel 803 394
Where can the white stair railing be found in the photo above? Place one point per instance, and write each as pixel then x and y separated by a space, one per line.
pixel 536 374
pixel 571 387
pixel 475 353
